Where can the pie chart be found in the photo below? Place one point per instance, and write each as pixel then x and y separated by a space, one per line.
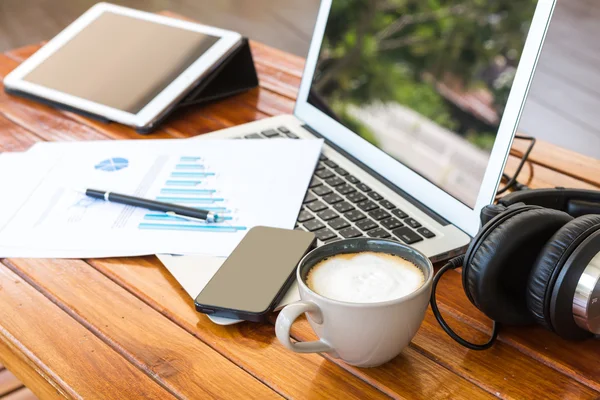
pixel 112 164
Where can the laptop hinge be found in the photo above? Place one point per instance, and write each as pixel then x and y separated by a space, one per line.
pixel 436 217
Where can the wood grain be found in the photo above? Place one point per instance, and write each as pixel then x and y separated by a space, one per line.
pixel 21 394
pixel 584 168
pixel 68 356
pixel 183 365
pixel 253 346
pixel 510 374
pixel 8 382
pixel 575 359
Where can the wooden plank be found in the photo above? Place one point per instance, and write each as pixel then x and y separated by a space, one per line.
pixel 8 382
pixel 537 177
pixel 15 138
pixel 21 394
pixel 38 338
pixel 577 360
pixel 252 346
pixel 511 374
pixel 410 366
pixel 181 364
pixel 584 168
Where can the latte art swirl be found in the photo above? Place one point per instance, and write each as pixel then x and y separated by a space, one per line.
pixel 366 277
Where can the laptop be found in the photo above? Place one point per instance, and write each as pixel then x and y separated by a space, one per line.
pixel 418 103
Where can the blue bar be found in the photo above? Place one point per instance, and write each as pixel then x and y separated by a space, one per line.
pixel 189 166
pixel 165 217
pixel 188 159
pixel 187 191
pixel 191 174
pixel 198 228
pixel 201 200
pixel 182 183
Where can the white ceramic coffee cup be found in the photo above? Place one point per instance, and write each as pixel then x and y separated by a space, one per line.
pixel 361 334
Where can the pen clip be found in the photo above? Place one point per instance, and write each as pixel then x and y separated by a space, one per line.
pixel 209 218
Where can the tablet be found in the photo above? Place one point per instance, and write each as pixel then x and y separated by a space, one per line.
pixel 122 65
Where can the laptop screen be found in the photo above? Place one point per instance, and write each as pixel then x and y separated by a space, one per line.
pixel 425 81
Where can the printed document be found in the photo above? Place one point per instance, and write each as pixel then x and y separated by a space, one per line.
pixel 246 182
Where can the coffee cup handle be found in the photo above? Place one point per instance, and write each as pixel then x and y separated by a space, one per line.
pixel 284 322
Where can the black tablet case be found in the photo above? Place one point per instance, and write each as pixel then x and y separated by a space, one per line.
pixel 235 74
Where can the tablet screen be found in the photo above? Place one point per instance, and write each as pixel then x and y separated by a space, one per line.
pixel 121 62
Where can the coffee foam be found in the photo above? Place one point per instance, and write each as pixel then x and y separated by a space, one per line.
pixel 366 277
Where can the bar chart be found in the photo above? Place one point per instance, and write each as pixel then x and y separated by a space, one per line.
pixel 192 184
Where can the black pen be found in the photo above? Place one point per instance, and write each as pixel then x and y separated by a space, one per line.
pixel 173 210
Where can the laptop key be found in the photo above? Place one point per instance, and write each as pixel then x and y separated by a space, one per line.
pixel 426 232
pixel 314 183
pixel 356 197
pixel 355 215
pixel 270 133
pixel 309 198
pixel 379 214
pixel 325 234
pixel 341 171
pixel 335 181
pixel 333 198
pixel 328 214
pixel 343 207
pixel 366 225
pixel 412 223
pixel 317 206
pixel 379 233
pixel 313 225
pixel 387 205
pixel 321 190
pixel 283 129
pixel 399 213
pixel 352 179
pixel 350 232
pixel 292 135
pixel 322 157
pixel 324 173
pixel 331 164
pixel 319 167
pixel 375 196
pixel 345 189
pixel 363 188
pixel 253 136
pixel 407 235
pixel 338 223
pixel 305 216
pixel 367 205
pixel 391 223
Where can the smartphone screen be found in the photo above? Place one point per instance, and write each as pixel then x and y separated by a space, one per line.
pixel 259 269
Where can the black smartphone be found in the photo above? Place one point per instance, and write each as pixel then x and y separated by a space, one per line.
pixel 257 274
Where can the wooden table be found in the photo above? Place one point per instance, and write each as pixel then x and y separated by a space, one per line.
pixel 124 328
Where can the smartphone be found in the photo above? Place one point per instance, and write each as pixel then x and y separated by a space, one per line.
pixel 256 275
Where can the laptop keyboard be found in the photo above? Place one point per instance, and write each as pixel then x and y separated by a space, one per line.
pixel 338 205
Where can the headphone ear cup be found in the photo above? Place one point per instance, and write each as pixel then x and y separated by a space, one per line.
pixel 498 263
pixel 550 262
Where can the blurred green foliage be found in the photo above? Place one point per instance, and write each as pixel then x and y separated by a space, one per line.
pixel 395 51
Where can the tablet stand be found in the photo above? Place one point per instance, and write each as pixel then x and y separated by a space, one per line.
pixel 235 74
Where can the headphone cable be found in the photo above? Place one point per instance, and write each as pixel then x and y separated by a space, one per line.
pixel 512 181
pixel 453 264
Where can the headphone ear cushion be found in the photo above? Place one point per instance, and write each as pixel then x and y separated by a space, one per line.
pixel 550 262
pixel 498 270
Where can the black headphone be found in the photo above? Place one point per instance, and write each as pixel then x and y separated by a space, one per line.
pixel 535 260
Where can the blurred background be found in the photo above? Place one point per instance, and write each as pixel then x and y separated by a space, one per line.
pixel 562 107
